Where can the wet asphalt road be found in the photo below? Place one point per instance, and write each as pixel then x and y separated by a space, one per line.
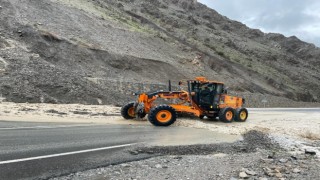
pixel 47 144
pixel 34 140
pixel 43 150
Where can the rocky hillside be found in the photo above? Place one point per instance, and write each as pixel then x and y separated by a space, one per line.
pixel 98 51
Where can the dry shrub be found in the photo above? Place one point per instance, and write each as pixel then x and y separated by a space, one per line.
pixel 49 36
pixel 310 135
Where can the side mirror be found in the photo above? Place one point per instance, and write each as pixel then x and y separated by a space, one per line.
pixel 225 90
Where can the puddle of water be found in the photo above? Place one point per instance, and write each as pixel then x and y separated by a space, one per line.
pixel 191 136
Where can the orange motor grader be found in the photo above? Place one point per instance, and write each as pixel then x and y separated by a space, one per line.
pixel 202 98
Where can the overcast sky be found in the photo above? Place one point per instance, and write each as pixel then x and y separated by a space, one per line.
pixel 289 17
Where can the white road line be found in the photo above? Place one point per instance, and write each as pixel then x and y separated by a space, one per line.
pixel 283 108
pixel 44 127
pixel 64 154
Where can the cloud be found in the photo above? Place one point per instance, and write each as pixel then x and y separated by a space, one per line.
pixel 299 18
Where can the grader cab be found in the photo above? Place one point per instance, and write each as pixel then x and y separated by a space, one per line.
pixel 203 98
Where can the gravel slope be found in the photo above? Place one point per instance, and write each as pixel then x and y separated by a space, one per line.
pixel 59 51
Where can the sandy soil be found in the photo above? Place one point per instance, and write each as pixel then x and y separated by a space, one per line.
pixel 70 113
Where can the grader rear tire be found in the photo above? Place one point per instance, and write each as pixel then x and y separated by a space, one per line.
pixel 226 115
pixel 162 115
pixel 241 115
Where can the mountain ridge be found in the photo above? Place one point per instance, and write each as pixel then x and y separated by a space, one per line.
pixel 145 41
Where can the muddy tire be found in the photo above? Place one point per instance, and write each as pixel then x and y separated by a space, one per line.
pixel 241 115
pixel 162 115
pixel 127 111
pixel 226 115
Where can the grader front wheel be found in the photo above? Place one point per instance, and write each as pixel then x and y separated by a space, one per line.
pixel 162 115
pixel 127 111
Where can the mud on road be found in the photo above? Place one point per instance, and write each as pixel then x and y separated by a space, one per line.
pixel 297 123
pixel 257 156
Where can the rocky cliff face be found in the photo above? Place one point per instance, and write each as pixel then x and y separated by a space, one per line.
pixel 86 51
